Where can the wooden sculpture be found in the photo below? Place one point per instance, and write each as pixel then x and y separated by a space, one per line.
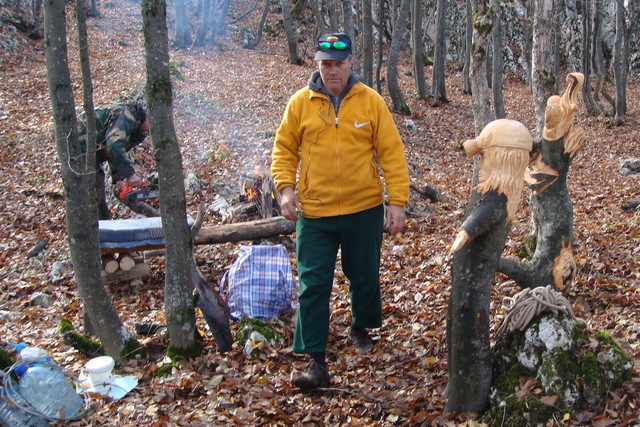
pixel 551 208
pixel 505 146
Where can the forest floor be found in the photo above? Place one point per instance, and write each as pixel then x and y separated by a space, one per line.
pixel 227 108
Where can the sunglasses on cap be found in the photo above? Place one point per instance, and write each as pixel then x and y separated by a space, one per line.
pixel 338 45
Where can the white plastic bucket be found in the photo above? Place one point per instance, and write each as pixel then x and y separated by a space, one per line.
pixel 100 369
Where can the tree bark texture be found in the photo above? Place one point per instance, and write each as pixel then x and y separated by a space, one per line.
pixel 292 42
pixel 497 64
pixel 551 208
pixel 438 88
pixel 252 230
pixel 395 92
pixel 182 37
pixel 82 224
pixel 205 24
pixel 366 62
pixel 179 309
pixel 473 270
pixel 620 65
pixel 417 51
pixel 483 21
pixel 543 80
pixel 466 89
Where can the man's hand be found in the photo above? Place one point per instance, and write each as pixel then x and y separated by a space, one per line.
pixel 134 181
pixel 289 204
pixel 395 220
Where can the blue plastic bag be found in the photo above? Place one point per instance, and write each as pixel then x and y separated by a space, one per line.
pixel 260 283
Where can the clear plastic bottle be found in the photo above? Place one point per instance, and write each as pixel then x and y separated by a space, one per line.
pixel 12 416
pixel 47 389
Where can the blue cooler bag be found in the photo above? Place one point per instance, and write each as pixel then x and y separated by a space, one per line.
pixel 260 283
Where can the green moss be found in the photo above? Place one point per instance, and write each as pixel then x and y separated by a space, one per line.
pixel 615 362
pixel 176 354
pixel 165 369
pixel 249 324
pixel 591 384
pixel 133 348
pixel 80 342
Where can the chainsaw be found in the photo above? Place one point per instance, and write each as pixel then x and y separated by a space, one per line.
pixel 127 193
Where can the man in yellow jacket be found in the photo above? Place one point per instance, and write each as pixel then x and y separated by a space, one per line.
pixel 335 137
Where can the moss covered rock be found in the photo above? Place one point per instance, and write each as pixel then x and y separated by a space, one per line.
pixel 553 367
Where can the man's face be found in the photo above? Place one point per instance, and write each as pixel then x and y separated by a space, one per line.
pixel 335 74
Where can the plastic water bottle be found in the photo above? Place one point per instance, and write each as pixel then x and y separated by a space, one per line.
pixel 47 389
pixel 12 416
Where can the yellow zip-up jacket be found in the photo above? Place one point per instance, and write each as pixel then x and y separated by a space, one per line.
pixel 335 159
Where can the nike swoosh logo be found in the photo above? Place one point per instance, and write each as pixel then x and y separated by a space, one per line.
pixel 359 125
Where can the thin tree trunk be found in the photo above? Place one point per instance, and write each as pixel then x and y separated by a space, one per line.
pixel 205 24
pixel 422 90
pixel 179 308
pixel 381 17
pixel 466 89
pixel 543 81
pixel 263 19
pixel 81 221
pixel 619 67
pixel 483 22
pixel 292 42
pixel 321 25
pixel 438 88
pixel 497 64
pixel 587 34
pixel 395 92
pixel 182 38
pixel 367 43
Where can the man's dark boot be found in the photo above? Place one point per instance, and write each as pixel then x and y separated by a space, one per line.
pixel 315 376
pixel 361 339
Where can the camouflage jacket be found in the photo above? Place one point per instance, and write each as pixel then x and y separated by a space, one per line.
pixel 118 130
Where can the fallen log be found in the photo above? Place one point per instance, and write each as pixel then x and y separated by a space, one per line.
pixel 251 230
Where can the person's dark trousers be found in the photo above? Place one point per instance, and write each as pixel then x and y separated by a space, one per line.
pixel 359 236
pixel 103 208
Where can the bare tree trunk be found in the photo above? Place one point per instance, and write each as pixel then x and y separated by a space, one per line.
pixel 367 43
pixel 543 81
pixel 292 42
pixel 438 88
pixel 82 221
pixel 205 24
pixel 466 89
pixel 552 211
pixel 395 92
pixel 332 8
pixel 182 38
pixel 381 18
pixel 620 64
pixel 497 64
pixel 321 25
pixel 348 26
pixel 417 50
pixel 263 19
pixel 587 34
pixel 179 308
pixel 483 22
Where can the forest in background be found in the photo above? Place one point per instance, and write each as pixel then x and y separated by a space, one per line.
pixel 213 117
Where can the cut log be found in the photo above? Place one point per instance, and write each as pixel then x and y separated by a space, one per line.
pixel 127 263
pixel 251 230
pixel 111 265
pixel 138 271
